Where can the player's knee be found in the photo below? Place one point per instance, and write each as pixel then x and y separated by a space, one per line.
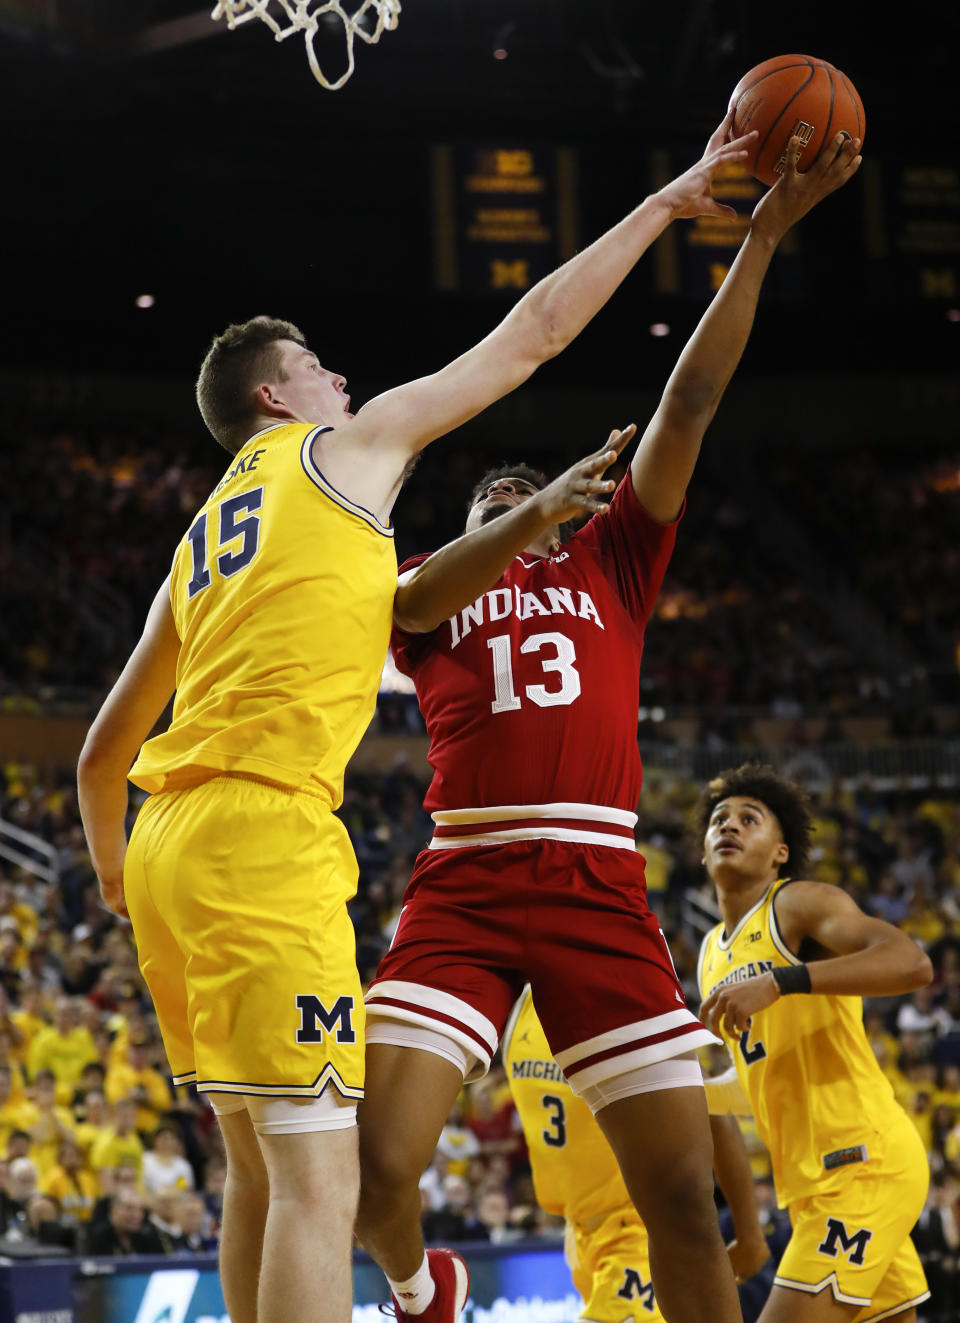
pixel 387 1177
pixel 679 1192
pixel 313 1166
pixel 386 1174
pixel 247 1172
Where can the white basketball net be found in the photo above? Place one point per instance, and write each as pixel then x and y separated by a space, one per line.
pixel 304 15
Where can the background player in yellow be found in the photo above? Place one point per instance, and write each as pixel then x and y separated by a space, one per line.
pixel 576 1176
pixel 272 629
pixel 782 977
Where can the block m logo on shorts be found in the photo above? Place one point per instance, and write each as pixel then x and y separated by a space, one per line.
pixel 316 1020
pixel 837 1239
pixel 635 1288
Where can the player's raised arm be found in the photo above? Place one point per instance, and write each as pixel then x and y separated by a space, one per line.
pixel 126 718
pixel 861 956
pixel 665 458
pixel 545 320
pixel 458 573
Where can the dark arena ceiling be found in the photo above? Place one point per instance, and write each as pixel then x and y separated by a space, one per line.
pixel 151 151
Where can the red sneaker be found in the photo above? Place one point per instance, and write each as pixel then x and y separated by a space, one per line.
pixel 452 1279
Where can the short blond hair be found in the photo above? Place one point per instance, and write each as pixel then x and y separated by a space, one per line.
pixel 235 364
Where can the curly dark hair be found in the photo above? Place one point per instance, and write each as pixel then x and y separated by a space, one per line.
pixel 786 800
pixel 536 478
pixel 235 364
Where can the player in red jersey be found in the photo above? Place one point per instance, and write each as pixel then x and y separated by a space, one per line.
pixel 530 700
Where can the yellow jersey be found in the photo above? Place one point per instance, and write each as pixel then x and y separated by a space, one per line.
pixel 112 1150
pixel 282 595
pixel 75 1192
pixel 819 1098
pixel 64 1054
pixel 123 1081
pixel 16 1114
pixel 574 1171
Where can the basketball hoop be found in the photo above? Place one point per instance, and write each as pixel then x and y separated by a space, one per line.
pixel 303 16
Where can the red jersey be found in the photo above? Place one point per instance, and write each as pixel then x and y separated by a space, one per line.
pixel 530 695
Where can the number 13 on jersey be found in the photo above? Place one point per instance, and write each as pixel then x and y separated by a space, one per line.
pixel 557 656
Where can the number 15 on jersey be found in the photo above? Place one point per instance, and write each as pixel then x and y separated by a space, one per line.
pixel 231 528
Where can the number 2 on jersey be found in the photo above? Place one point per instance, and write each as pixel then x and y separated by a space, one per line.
pixel 231 528
pixel 506 698
pixel 751 1054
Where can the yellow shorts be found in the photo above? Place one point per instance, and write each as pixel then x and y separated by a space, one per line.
pixel 611 1270
pixel 856 1239
pixel 237 893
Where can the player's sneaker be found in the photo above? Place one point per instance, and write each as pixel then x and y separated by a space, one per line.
pixel 452 1279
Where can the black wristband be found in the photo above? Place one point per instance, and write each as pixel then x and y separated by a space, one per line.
pixel 791 978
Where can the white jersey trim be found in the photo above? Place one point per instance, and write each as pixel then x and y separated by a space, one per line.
pixel 579 1080
pixel 432 999
pixel 627 1033
pixel 531 834
pixel 497 817
pixel 814 1288
pixel 777 936
pixel 329 1076
pixel 898 1309
pixel 507 812
pixel 309 465
pixel 725 943
pixel 702 958
pixel 270 427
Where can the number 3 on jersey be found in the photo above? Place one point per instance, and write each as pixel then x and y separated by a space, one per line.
pixel 506 698
pixel 229 562
pixel 556 1136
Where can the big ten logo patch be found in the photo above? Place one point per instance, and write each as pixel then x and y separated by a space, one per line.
pixel 316 1020
pixel 635 1288
pixel 839 1240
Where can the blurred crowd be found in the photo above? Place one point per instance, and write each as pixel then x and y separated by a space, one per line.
pixel 737 627
pixel 99 1154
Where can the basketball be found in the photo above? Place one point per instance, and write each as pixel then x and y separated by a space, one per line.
pixel 794 94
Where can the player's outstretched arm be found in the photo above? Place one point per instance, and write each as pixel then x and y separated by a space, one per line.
pixel 749 1251
pixel 546 319
pixel 861 957
pixel 128 715
pixel 665 458
pixel 458 573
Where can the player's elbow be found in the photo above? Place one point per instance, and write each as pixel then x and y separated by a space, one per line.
pixel 911 963
pixel 541 331
pixel 414 616
pixel 695 395
pixel 413 624
pixel 98 758
pixel 553 341
pixel 90 760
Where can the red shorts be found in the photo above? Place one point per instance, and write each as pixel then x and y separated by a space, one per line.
pixel 570 919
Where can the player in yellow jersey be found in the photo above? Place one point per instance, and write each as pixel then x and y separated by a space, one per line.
pixel 782 977
pixel 272 629
pixel 576 1176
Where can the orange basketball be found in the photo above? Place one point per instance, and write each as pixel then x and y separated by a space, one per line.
pixel 794 94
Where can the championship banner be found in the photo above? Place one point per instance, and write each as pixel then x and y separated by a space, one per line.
pixel 913 225
pixel 692 257
pixel 505 215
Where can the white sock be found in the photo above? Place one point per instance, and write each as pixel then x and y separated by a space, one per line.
pixel 415 1294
